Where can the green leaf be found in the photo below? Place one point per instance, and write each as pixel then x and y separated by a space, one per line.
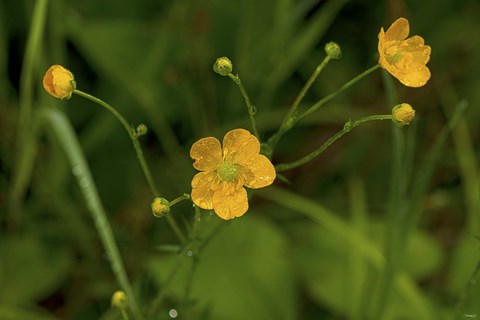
pixel 243 273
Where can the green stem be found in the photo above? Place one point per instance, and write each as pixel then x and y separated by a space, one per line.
pixel 250 107
pixel 25 138
pixel 289 124
pixel 346 128
pixel 138 150
pixel 293 109
pixel 184 196
pixel 124 315
pixel 66 136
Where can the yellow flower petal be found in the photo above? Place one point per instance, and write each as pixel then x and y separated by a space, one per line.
pixel 207 154
pixel 239 146
pixel 258 173
pixel 230 201
pixel 203 185
pixel 399 30
pixel 405 59
pixel 59 82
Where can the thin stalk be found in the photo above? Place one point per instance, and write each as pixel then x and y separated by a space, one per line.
pixel 288 125
pixel 25 138
pixel 346 128
pixel 184 196
pixel 67 139
pixel 250 107
pixel 138 150
pixel 293 109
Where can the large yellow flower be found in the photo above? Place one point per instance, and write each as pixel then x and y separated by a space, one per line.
pixel 225 172
pixel 403 58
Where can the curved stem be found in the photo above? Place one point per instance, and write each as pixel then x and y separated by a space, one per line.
pixel 250 107
pixel 346 128
pixel 287 126
pixel 138 150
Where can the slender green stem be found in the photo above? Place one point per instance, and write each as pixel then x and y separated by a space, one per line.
pixel 66 136
pixel 295 119
pixel 346 128
pixel 124 315
pixel 25 138
pixel 293 109
pixel 184 196
pixel 250 107
pixel 138 150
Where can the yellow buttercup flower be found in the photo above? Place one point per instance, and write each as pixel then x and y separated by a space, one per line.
pixel 403 58
pixel 225 172
pixel 59 82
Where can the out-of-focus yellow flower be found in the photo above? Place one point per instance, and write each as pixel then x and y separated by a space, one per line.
pixel 403 58
pixel 403 114
pixel 119 300
pixel 59 82
pixel 225 172
pixel 160 207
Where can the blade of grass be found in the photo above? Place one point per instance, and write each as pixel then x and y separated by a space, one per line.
pixel 67 139
pixel 419 305
pixel 25 144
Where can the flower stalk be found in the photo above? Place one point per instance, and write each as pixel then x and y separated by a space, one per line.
pixel 132 133
pixel 346 128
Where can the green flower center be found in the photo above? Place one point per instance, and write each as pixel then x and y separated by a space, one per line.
pixel 393 59
pixel 227 171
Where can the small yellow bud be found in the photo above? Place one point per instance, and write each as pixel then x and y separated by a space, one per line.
pixel 119 300
pixel 160 207
pixel 141 130
pixel 223 66
pixel 403 114
pixel 333 50
pixel 59 82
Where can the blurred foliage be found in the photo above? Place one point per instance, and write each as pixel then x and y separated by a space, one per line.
pixel 316 252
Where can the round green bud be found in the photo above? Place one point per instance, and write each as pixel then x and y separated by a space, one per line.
pixel 160 207
pixel 403 114
pixel 141 130
pixel 332 49
pixel 223 66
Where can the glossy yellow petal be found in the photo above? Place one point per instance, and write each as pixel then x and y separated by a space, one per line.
pixel 258 173
pixel 239 146
pixel 207 154
pixel 230 201
pixel 405 59
pixel 203 185
pixel 399 30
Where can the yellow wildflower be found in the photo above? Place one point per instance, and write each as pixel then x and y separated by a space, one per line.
pixel 59 82
pixel 403 58
pixel 119 300
pixel 403 114
pixel 225 172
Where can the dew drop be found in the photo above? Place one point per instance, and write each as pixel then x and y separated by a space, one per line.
pixel 189 253
pixel 76 170
pixel 173 313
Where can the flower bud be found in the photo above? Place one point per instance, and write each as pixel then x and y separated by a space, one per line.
pixel 333 50
pixel 160 207
pixel 119 300
pixel 141 130
pixel 403 114
pixel 223 66
pixel 59 82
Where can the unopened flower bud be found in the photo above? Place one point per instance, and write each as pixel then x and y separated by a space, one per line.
pixel 160 207
pixel 403 114
pixel 333 50
pixel 141 130
pixel 59 82
pixel 119 300
pixel 223 66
